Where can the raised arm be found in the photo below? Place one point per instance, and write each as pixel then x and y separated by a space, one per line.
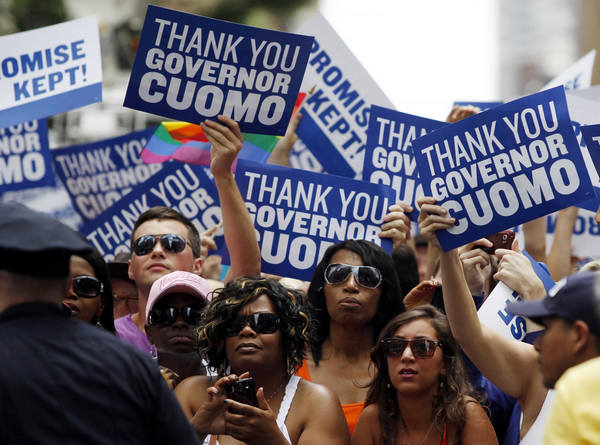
pixel 559 257
pixel 509 364
pixel 226 139
pixel 396 224
pixel 281 153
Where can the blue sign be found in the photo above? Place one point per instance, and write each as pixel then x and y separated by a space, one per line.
pixel 25 159
pixel 503 167
pixel 97 175
pixel 299 214
pixel 389 158
pixel 193 68
pixel 483 106
pixel 184 187
pixel 589 136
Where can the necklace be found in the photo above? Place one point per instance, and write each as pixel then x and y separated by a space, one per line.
pixel 426 434
pixel 283 382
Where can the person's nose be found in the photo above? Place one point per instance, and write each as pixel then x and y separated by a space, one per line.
pixel 407 354
pixel 247 331
pixel 158 249
pixel 351 283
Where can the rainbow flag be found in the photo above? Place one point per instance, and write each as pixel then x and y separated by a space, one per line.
pixel 186 143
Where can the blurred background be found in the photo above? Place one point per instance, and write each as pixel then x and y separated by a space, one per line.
pixel 423 54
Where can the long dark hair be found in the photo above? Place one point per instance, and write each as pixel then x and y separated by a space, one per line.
pixel 106 318
pixel 228 301
pixel 390 301
pixel 448 404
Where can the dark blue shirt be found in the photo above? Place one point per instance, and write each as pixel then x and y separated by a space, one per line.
pixel 63 381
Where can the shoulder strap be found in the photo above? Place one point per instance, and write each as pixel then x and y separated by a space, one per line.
pixel 290 392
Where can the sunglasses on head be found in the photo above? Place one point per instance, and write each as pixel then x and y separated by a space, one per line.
pixel 422 347
pixel 87 287
pixel 261 323
pixel 366 276
pixel 168 315
pixel 171 242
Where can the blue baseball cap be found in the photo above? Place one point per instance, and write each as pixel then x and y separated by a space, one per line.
pixel 576 297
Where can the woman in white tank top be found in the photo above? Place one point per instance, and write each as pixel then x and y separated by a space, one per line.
pixel 257 328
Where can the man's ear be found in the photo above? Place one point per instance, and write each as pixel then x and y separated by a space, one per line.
pixel 582 335
pixel 130 270
pixel 197 266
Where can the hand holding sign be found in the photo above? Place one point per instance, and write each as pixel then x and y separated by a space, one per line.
pixel 226 140
pixel 396 224
pixel 433 218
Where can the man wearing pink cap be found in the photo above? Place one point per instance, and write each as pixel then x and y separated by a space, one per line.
pixel 173 315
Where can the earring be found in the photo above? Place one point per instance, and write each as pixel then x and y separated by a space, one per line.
pixel 388 385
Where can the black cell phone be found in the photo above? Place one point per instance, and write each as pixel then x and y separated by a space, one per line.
pixel 500 240
pixel 243 391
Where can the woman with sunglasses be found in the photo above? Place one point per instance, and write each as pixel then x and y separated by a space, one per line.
pixel 420 393
pixel 89 297
pixel 353 294
pixel 257 328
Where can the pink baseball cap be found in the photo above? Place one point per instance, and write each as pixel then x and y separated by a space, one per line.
pixel 178 282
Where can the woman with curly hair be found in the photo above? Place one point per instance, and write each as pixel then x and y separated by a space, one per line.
pixel 353 294
pixel 257 328
pixel 420 393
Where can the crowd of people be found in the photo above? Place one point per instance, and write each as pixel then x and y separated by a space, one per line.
pixel 375 349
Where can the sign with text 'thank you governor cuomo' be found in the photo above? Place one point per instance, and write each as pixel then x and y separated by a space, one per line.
pixel 193 68
pixel 389 157
pixel 49 70
pixel 503 167
pixel 299 214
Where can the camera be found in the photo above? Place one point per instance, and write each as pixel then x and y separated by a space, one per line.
pixel 243 391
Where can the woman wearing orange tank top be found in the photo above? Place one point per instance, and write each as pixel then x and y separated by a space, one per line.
pixel 353 294
pixel 420 393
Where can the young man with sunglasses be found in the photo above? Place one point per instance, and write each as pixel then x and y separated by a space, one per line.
pixel 173 316
pixel 164 241
pixel 63 381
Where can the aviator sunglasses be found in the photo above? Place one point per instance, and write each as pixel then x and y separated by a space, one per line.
pixel 366 276
pixel 171 242
pixel 422 347
pixel 87 287
pixel 168 316
pixel 261 323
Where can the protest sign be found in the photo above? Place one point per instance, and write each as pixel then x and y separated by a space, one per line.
pixel 298 214
pixel 49 70
pixel 97 175
pixel 481 105
pixel 336 110
pixel 585 112
pixel 591 136
pixel 389 158
pixel 193 68
pixel 591 93
pixel 577 76
pixel 502 167
pixel 25 159
pixel 183 187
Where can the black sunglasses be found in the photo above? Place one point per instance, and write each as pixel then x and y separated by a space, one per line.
pixel 366 276
pixel 167 316
pixel 87 287
pixel 171 242
pixel 261 323
pixel 422 347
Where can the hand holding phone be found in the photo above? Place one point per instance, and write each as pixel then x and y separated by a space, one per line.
pixel 243 391
pixel 500 240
